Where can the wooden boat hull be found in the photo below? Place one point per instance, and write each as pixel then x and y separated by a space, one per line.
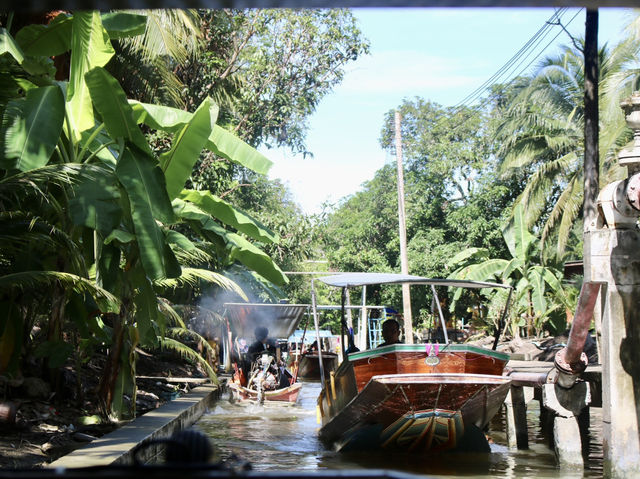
pixel 416 412
pixel 412 397
pixel 286 395
pixel 309 368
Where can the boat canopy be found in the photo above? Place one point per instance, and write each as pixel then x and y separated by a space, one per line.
pixel 350 280
pixel 310 336
pixel 280 319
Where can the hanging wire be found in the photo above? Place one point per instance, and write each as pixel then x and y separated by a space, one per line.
pixel 466 103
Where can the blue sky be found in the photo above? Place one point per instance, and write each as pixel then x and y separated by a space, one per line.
pixel 438 54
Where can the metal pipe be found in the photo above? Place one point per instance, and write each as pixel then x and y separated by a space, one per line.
pixel 343 324
pixel 314 307
pixel 442 321
pixel 362 333
pixel 520 378
pixel 502 321
pixel 570 361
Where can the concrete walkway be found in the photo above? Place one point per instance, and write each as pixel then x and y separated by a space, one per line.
pixel 116 447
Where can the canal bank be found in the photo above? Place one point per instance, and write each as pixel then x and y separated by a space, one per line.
pixel 117 446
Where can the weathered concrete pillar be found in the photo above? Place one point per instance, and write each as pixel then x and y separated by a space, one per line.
pixel 615 259
pixel 621 353
pixel 567 405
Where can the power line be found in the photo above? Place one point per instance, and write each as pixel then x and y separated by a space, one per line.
pixel 520 56
pixel 461 105
pixel 534 40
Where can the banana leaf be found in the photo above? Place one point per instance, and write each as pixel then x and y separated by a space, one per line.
pixel 90 48
pixel 123 24
pixel 221 142
pixel 177 163
pixel 143 181
pixel 47 40
pixel 34 124
pixel 229 215
pixel 9 45
pixel 110 102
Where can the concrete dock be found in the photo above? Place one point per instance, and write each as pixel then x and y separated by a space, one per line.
pixel 117 446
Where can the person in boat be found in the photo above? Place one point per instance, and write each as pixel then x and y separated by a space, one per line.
pixel 262 343
pixel 277 370
pixel 390 332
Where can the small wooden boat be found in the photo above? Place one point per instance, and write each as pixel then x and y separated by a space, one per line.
pixel 309 368
pixel 262 377
pixel 412 397
pixel 288 395
pixel 405 398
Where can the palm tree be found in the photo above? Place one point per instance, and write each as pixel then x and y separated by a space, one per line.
pixel 542 134
pixel 145 64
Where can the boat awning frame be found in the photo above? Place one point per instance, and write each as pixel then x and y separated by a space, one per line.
pixel 352 280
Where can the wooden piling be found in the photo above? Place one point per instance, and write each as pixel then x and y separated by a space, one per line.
pixel 516 416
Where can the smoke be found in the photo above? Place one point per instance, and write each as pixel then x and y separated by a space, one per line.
pixel 221 307
pixel 208 318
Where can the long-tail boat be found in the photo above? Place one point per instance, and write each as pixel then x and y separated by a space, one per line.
pixel 412 397
pixel 309 368
pixel 262 378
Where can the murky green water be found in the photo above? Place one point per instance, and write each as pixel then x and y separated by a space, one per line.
pixel 285 438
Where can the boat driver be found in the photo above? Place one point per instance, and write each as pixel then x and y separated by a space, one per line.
pixel 390 332
pixel 262 343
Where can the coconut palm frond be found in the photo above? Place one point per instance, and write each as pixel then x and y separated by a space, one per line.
pixel 564 212
pixel 153 81
pixel 536 193
pixel 519 158
pixel 614 173
pixel 22 231
pixel 571 212
pixel 192 256
pixel 192 277
pixel 613 137
pixel 169 33
pixel 547 116
pixel 170 344
pixel 35 181
pixel 30 280
pixel 169 312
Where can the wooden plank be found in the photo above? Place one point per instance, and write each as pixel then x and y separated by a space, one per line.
pixel 176 380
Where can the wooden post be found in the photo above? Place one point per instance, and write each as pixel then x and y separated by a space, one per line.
pixel 404 262
pixel 364 321
pixel 516 416
pixel 591 153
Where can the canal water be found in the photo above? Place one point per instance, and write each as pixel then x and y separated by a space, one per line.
pixel 284 438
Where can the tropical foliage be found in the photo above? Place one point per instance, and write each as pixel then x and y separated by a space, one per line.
pixel 541 133
pixel 539 291
pixel 452 201
pixel 93 212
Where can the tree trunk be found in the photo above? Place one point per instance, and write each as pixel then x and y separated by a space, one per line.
pixel 107 384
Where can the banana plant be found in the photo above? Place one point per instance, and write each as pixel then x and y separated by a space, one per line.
pixel 537 288
pixel 122 206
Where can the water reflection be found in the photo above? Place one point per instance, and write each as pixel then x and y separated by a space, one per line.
pixel 285 438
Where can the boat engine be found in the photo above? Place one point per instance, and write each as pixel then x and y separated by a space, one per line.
pixel 264 374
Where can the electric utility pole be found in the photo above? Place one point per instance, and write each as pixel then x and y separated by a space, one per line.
pixel 404 262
